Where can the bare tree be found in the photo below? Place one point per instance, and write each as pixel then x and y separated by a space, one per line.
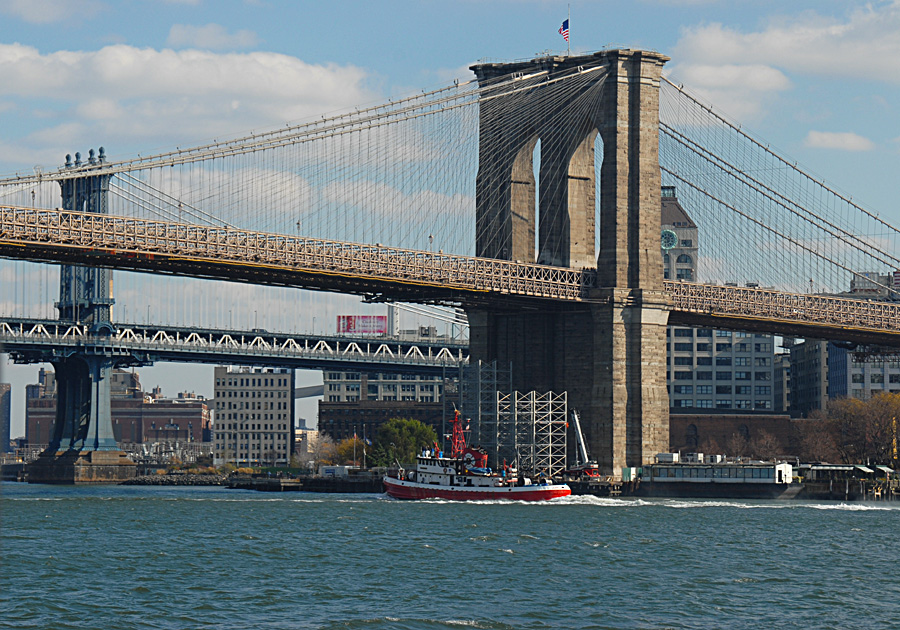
pixel 764 446
pixel 816 440
pixel 736 445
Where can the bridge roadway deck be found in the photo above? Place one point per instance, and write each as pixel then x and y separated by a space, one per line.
pixel 30 340
pixel 393 273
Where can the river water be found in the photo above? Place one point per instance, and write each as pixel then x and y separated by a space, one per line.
pixel 154 557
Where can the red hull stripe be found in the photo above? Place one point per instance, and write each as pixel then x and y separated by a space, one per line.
pixel 515 493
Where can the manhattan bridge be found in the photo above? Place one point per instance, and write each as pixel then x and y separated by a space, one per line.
pixel 529 197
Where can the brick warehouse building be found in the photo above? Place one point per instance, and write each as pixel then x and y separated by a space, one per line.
pixel 137 417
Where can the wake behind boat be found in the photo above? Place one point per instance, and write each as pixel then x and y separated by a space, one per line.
pixel 464 476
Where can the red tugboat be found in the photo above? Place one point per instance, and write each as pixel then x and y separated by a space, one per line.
pixel 464 476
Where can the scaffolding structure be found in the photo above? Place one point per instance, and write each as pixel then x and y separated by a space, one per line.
pixel 479 384
pixel 535 429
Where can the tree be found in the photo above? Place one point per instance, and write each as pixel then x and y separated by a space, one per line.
pixel 736 446
pixel 710 446
pixel 349 451
pixel 401 439
pixel 865 431
pixel 815 440
pixel 764 446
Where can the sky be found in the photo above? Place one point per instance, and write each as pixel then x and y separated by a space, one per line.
pixel 818 81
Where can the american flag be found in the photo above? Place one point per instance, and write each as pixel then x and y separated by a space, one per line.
pixel 564 30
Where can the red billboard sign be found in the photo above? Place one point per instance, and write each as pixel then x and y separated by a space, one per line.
pixel 362 324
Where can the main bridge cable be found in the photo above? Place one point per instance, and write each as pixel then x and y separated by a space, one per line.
pixel 767 150
pixel 777 198
pixel 762 225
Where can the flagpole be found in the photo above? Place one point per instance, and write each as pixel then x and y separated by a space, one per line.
pixel 569 43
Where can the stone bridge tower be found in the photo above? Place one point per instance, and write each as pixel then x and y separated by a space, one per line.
pixel 610 355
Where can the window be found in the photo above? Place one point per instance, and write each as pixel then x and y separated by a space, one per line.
pixel 684 389
pixel 742 404
pixel 684 332
pixel 742 390
pixel 687 402
pixel 763 347
pixel 894 378
pixel 742 376
pixel 742 347
pixel 703 376
pixel 723 376
pixel 763 390
pixel 723 333
pixel 684 274
pixel 686 242
pixel 684 347
pixel 704 347
pixel 723 404
pixel 704 332
pixel 704 389
pixel 723 360
pixel 762 361
pixel 703 360
pixel 763 404
pixel 684 259
pixel 857 378
pixel 684 360
pixel 704 403
pixel 683 375
pixel 742 361
pixel 723 389
pixel 665 259
pixel 723 347
pixel 763 376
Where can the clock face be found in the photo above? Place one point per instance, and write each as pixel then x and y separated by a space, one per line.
pixel 669 239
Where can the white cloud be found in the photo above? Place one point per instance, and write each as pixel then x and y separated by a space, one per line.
pixel 165 97
pixel 47 11
pixel 809 43
pixel 844 141
pixel 745 71
pixel 209 37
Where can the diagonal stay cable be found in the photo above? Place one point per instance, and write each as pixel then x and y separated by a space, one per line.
pixel 768 228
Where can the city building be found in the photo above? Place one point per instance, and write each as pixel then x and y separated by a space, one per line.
pixel 137 417
pixel 341 420
pixel 356 403
pixel 781 383
pixel 709 369
pixel 5 416
pixel 809 376
pixel 358 386
pixel 254 416
pixel 852 375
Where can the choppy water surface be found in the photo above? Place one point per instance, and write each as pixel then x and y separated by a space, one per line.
pixel 137 557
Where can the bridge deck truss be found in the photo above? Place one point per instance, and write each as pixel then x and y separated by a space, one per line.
pixel 373 270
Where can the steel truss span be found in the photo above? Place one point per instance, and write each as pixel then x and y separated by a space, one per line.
pixel 27 340
pixel 265 258
pixel 385 272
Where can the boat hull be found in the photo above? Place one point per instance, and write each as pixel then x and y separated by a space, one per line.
pixel 410 490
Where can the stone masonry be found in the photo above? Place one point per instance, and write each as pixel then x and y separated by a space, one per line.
pixel 609 355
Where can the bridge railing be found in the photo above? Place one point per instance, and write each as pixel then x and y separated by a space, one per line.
pixel 61 228
pixel 770 304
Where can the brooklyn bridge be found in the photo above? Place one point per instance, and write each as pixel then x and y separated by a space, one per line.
pixel 530 197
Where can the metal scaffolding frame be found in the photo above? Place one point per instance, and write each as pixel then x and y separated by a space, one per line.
pixel 538 427
pixel 479 384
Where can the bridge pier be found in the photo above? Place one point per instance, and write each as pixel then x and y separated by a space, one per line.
pixel 83 448
pixel 610 355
